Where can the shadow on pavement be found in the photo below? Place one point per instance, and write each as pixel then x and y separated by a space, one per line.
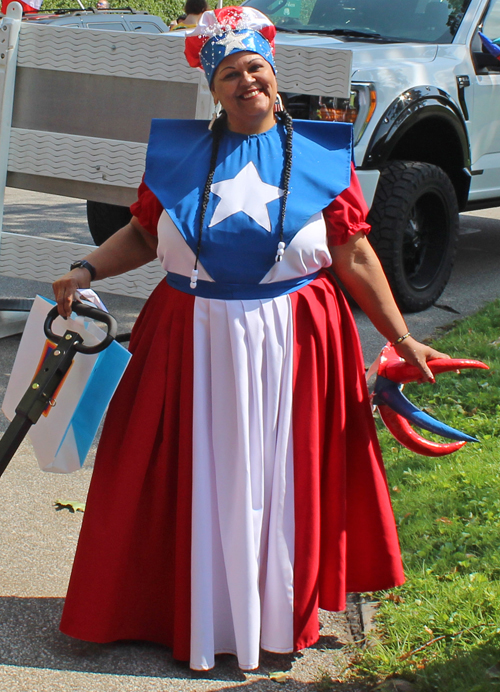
pixel 60 221
pixel 30 638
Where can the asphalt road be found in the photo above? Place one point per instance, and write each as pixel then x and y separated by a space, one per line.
pixel 37 542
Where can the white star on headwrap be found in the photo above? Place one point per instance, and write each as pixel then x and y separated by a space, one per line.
pixel 245 192
pixel 231 41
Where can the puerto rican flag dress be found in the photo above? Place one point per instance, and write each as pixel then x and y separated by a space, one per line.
pixel 238 484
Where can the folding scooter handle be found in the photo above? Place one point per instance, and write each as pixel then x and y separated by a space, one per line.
pixel 92 313
pixel 39 393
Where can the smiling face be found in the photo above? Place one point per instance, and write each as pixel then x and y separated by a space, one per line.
pixel 245 86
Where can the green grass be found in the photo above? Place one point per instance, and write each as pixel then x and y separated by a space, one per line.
pixel 166 9
pixel 448 515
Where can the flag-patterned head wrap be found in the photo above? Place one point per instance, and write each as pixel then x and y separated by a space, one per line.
pixel 229 30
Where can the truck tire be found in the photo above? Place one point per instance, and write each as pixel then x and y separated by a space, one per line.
pixel 105 219
pixel 414 219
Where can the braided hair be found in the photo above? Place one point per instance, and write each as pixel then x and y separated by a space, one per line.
pixel 286 119
pixel 218 129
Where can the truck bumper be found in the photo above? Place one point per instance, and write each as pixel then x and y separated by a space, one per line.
pixel 368 181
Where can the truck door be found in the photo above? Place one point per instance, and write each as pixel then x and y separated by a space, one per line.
pixel 485 115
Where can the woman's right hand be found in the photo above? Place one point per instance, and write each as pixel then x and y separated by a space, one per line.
pixel 65 288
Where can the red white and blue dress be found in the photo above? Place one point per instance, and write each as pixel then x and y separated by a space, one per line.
pixel 238 484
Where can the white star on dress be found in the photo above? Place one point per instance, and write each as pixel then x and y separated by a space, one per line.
pixel 231 41
pixel 245 192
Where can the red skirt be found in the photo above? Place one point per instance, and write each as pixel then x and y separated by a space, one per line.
pixel 131 575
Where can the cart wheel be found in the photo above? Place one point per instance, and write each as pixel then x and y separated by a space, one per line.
pixel 105 219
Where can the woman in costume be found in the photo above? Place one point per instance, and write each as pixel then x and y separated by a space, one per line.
pixel 238 484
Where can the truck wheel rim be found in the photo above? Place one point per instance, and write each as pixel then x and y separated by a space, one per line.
pixel 425 241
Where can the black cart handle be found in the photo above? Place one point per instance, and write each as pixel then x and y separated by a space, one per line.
pixel 92 313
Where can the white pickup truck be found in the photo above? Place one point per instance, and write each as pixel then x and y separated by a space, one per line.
pixel 425 102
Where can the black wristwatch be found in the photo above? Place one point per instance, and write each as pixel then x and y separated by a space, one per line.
pixel 86 265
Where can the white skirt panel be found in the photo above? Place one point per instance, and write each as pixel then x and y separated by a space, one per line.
pixel 243 499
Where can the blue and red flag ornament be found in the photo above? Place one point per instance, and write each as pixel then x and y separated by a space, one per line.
pixel 28 6
pixel 490 46
pixel 397 412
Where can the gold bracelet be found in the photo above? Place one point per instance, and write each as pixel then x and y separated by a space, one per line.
pixel 401 339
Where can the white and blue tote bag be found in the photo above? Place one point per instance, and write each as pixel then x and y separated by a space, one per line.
pixel 64 433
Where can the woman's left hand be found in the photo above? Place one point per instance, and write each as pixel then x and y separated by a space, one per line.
pixel 418 354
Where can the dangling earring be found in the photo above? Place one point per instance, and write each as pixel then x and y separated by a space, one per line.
pixel 278 104
pixel 215 115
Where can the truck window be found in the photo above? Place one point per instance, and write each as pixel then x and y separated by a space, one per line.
pixel 145 27
pixel 491 24
pixel 432 21
pixel 109 26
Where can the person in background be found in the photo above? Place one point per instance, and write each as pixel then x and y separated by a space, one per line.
pixel 193 10
pixel 103 5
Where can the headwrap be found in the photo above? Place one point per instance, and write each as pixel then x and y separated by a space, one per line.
pixel 229 30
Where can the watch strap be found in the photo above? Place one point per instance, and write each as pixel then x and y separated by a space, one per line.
pixel 85 265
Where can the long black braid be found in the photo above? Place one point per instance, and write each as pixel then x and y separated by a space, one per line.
pixel 218 130
pixel 286 120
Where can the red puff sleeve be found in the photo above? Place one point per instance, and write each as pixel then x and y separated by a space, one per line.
pixel 346 215
pixel 147 209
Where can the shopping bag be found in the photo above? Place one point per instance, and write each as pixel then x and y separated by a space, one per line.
pixel 64 433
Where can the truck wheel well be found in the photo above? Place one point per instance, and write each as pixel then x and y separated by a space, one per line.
pixel 432 141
